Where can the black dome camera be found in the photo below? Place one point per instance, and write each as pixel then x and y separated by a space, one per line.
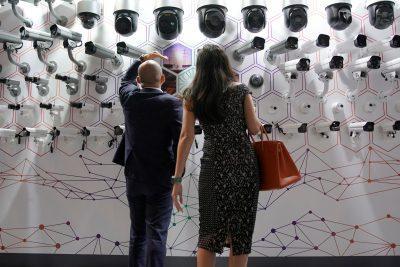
pixel 126 14
pixel 212 18
pixel 254 15
pixel 339 14
pixel 168 15
pixel 381 13
pixel 295 14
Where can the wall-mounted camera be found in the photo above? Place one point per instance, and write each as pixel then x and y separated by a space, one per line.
pixel 250 47
pixel 325 70
pixel 39 135
pixel 11 44
pixel 390 129
pixel 83 107
pixel 289 44
pixel 61 19
pixel 12 86
pixel 212 17
pixel 254 15
pixel 291 70
pixel 129 50
pixel 72 83
pixel 295 14
pixel 384 45
pixel 126 14
pixel 381 13
pixel 42 84
pixel 356 128
pixel 55 110
pixel 256 81
pixel 339 14
pixel 324 128
pixel 352 44
pixel 101 82
pixel 390 71
pixel 89 12
pixel 313 46
pixel 102 52
pixel 291 129
pixel 168 15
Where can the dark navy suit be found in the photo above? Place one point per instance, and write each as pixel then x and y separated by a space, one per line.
pixel 153 121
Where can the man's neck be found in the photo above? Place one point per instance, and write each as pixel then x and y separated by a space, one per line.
pixel 153 86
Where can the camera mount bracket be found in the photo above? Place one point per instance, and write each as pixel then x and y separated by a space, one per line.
pixel 80 65
pixel 23 67
pixel 42 48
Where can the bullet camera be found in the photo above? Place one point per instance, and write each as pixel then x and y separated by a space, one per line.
pixel 390 129
pixel 41 84
pixel 291 43
pixel 356 128
pixel 13 86
pixel 212 17
pixel 101 83
pixel 168 15
pixel 129 50
pixel 35 35
pixel 366 64
pixel 11 44
pixel 384 45
pixel 325 68
pixel 381 13
pixel 126 14
pixel 63 33
pixel 254 15
pixel 290 129
pixel 309 47
pixel 250 47
pixel 391 70
pixel 325 127
pixel 360 41
pixel 89 12
pixel 296 65
pixel 295 14
pixel 339 14
pixel 103 52
pixel 72 83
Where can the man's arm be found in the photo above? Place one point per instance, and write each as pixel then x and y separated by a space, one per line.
pixel 128 84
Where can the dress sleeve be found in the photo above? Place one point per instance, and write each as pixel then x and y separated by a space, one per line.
pixel 243 91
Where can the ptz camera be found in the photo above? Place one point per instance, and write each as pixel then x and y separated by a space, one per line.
pixel 168 15
pixel 126 14
pixel 89 12
pixel 212 17
pixel 339 14
pixel 381 13
pixel 254 15
pixel 295 14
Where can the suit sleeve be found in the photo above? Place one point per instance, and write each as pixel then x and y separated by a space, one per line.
pixel 176 124
pixel 127 86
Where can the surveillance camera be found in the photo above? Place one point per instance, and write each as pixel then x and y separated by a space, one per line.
pixel 339 14
pixel 11 44
pixel 94 132
pixel 390 129
pixel 6 37
pixel 41 84
pixel 292 128
pixel 83 107
pixel 63 33
pixel 126 14
pixel 72 83
pixel 381 13
pixel 103 52
pixel 325 127
pixel 212 17
pixel 68 132
pixel 296 65
pixel 101 83
pixel 89 12
pixel 35 132
pixel 384 45
pixel 168 15
pixel 35 35
pixel 323 41
pixel 366 64
pixel 250 47
pixel 254 15
pixel 7 133
pixel 3 2
pixel 295 14
pixel 119 130
pixel 13 86
pixel 50 106
pixel 326 67
pixel 256 81
pixel 27 22
pixel 391 70
pixel 129 50
pixel 62 20
pixel 356 128
pixel 352 44
pixel 291 43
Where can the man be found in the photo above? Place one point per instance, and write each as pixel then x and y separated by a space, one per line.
pixel 153 121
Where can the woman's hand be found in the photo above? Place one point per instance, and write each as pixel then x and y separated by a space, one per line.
pixel 177 196
pixel 154 55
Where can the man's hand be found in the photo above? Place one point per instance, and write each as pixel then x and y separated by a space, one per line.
pixel 154 55
pixel 177 196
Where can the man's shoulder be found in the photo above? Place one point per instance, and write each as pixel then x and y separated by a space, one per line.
pixel 173 100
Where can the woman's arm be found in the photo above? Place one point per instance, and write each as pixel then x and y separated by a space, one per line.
pixel 185 143
pixel 253 124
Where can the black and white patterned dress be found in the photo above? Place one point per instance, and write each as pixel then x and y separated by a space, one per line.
pixel 229 181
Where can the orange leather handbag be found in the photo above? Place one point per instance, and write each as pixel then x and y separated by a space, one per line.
pixel 277 168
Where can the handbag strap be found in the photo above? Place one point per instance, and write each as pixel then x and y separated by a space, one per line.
pixel 263 132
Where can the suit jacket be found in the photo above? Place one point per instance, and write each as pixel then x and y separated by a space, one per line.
pixel 153 121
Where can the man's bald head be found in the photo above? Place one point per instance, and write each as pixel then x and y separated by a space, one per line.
pixel 150 74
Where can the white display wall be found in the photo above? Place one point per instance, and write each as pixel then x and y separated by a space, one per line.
pixel 73 200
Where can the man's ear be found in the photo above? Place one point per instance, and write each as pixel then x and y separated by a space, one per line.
pixel 162 80
pixel 138 80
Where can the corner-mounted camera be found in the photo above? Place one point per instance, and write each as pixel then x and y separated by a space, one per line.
pixel 295 14
pixel 89 12
pixel 338 13
pixel 254 15
pixel 168 15
pixel 381 13
pixel 212 17
pixel 126 14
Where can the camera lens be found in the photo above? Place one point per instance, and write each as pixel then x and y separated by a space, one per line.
pixel 258 43
pixel 360 41
pixel 292 43
pixel 374 63
pixel 323 40
pixel 303 64
pixel 381 14
pixel 124 24
pixel 296 18
pixel 256 81
pixel 395 42
pixel 90 48
pixel 369 127
pixel 167 22
pixel 215 20
pixel 254 19
pixel 88 20
pixel 336 63
pixel 339 16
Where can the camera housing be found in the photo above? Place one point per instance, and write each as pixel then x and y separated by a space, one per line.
pixel 381 13
pixel 390 129
pixel 322 41
pixel 256 81
pixel 295 14
pixel 324 128
pixel 168 15
pixel 250 47
pixel 130 51
pixel 290 129
pixel 42 84
pixel 102 52
pixel 212 17
pixel 254 15
pixel 339 14
pixel 89 12
pixel 352 44
pixel 384 45
pixel 289 44
pixel 101 82
pixel 296 65
pixel 126 14
pixel 356 128
pixel 366 64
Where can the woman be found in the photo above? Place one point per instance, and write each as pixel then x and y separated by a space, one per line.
pixel 229 182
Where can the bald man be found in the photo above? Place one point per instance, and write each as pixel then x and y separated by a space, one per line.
pixel 153 121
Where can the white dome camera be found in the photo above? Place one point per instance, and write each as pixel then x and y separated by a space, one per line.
pixel 89 12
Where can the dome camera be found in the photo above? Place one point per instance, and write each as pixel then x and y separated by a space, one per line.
pixel 212 17
pixel 254 15
pixel 295 14
pixel 126 14
pixel 168 15
pixel 381 13
pixel 89 12
pixel 339 14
